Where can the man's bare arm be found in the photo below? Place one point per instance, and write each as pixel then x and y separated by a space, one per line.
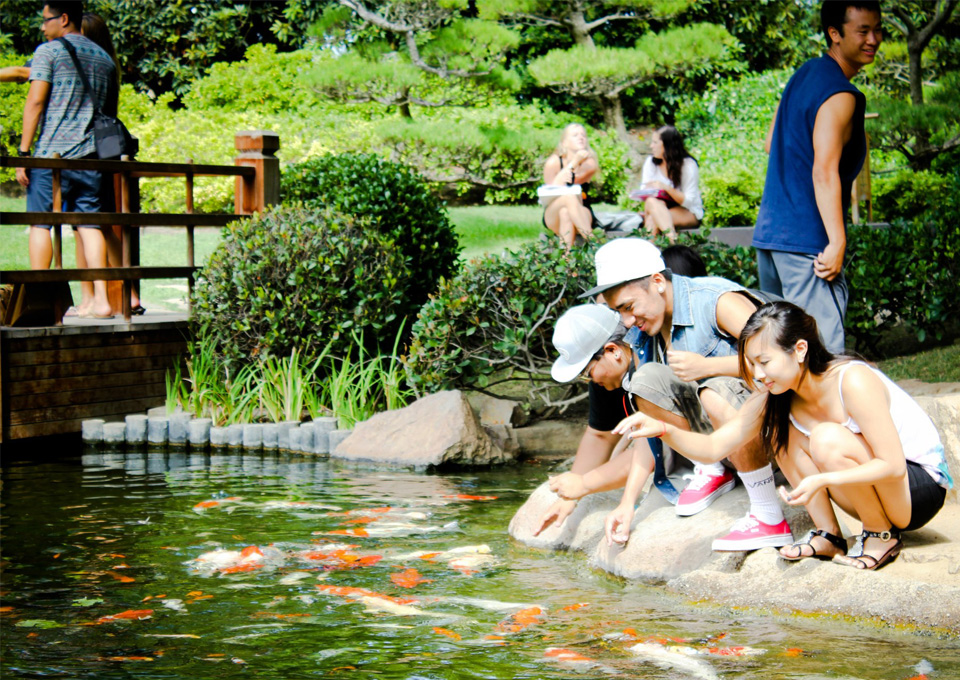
pixel 832 130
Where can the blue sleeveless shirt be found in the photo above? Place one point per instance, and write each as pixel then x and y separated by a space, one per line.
pixel 789 219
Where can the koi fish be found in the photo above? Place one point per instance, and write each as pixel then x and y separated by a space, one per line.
pixel 468 497
pixel 575 607
pixel 339 559
pixel 669 660
pixel 568 655
pixel 408 578
pixel 448 633
pixel 489 605
pixel 203 506
pixel 468 565
pixel 174 604
pixel 297 505
pixel 251 558
pixel 294 577
pixel 129 615
pixel 389 530
pixel 357 593
pixel 379 604
pixel 521 620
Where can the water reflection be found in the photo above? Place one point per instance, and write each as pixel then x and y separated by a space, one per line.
pixel 87 540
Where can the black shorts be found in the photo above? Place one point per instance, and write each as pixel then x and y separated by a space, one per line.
pixel 926 496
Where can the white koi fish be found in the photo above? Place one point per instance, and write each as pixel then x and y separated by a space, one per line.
pixel 668 660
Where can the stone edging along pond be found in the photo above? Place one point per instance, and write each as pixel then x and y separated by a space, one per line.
pixel 318 436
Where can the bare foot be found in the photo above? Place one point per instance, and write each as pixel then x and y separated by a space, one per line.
pixel 818 546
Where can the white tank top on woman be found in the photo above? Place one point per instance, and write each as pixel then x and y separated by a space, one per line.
pixel 918 436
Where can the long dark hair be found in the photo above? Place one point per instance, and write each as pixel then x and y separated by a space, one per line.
pixel 674 153
pixel 785 324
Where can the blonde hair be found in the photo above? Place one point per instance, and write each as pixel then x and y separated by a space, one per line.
pixel 561 150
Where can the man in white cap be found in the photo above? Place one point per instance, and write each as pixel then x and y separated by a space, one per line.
pixel 581 336
pixel 692 380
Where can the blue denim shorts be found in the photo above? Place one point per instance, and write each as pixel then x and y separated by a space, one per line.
pixel 80 190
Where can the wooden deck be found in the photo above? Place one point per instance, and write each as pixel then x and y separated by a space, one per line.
pixel 53 378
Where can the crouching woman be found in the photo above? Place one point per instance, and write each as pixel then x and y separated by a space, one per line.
pixel 840 430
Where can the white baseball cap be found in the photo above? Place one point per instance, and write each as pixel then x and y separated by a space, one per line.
pixel 580 333
pixel 622 260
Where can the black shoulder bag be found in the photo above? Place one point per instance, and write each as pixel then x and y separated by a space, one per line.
pixel 110 135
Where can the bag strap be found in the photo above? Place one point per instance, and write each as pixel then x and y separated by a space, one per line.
pixel 83 76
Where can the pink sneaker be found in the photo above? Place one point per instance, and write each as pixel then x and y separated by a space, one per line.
pixel 703 490
pixel 749 533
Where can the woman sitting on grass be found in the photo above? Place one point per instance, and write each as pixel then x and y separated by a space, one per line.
pixel 840 430
pixel 573 162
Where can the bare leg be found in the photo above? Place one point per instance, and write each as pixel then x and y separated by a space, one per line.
pixel 567 214
pixel 683 218
pixel 95 249
pixel 41 248
pixel 661 221
pixel 880 506
pixel 745 459
pixel 86 287
pixel 796 464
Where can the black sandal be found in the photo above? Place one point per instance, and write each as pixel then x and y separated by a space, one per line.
pixel 838 541
pixel 884 559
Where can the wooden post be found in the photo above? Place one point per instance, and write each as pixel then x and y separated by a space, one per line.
pixel 256 149
pixel 126 245
pixel 190 243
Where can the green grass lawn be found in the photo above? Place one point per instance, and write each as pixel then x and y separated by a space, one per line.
pixel 941 364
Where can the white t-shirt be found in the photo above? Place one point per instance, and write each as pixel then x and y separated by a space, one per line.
pixel 689 182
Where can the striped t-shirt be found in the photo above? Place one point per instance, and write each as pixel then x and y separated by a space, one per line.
pixel 66 126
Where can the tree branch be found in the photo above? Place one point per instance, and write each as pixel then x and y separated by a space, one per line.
pixel 596 23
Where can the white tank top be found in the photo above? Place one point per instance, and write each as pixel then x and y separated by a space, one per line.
pixel 918 436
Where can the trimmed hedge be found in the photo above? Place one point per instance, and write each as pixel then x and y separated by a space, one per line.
pixel 300 278
pixel 398 204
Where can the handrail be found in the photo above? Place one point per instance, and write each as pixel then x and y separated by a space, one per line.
pixel 257 177
pixel 134 168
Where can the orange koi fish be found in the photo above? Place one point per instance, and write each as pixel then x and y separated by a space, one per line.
pixel 468 497
pixel 206 505
pixel 408 578
pixel 130 614
pixel 449 633
pixel 358 532
pixel 356 593
pixel 561 654
pixel 575 607
pixel 521 620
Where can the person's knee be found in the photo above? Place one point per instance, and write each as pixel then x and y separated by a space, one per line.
pixel 716 407
pixel 827 444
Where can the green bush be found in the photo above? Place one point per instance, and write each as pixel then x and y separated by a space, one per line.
pixel 905 274
pixel 12 99
pixel 297 277
pixel 494 320
pixel 906 193
pixel 398 205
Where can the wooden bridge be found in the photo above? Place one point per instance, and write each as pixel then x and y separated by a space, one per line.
pixel 57 371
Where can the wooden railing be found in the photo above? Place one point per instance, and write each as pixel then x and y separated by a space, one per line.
pixel 257 186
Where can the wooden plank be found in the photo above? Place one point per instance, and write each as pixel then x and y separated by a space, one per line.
pixel 54 371
pixel 106 273
pixel 92 354
pixel 85 411
pixel 134 168
pixel 134 219
pixel 69 426
pixel 94 395
pixel 18 390
pixel 93 340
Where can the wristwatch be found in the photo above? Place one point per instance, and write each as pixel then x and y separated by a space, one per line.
pixel 22 153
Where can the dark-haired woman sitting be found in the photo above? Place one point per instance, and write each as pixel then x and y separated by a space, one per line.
pixel 676 176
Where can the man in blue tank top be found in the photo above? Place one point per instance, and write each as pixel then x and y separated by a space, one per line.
pixel 817 146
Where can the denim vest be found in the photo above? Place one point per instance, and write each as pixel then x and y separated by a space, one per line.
pixel 694 326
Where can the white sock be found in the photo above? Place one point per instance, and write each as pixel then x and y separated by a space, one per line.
pixel 764 503
pixel 712 469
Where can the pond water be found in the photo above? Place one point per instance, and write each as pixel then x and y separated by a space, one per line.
pixel 176 565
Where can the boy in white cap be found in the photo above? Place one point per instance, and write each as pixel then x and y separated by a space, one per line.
pixel 691 381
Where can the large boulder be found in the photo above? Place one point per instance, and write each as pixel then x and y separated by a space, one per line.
pixel 580 531
pixel 944 411
pixel 438 430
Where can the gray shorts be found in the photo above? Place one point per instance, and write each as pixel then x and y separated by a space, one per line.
pixel 658 384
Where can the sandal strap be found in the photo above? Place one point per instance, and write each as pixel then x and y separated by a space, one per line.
pixel 888 535
pixel 838 541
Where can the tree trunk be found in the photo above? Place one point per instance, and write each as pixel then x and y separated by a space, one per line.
pixel 915 50
pixel 404 106
pixel 578 29
pixel 613 119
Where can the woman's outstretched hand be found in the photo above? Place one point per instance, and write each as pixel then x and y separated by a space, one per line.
pixel 803 492
pixel 617 525
pixel 640 425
